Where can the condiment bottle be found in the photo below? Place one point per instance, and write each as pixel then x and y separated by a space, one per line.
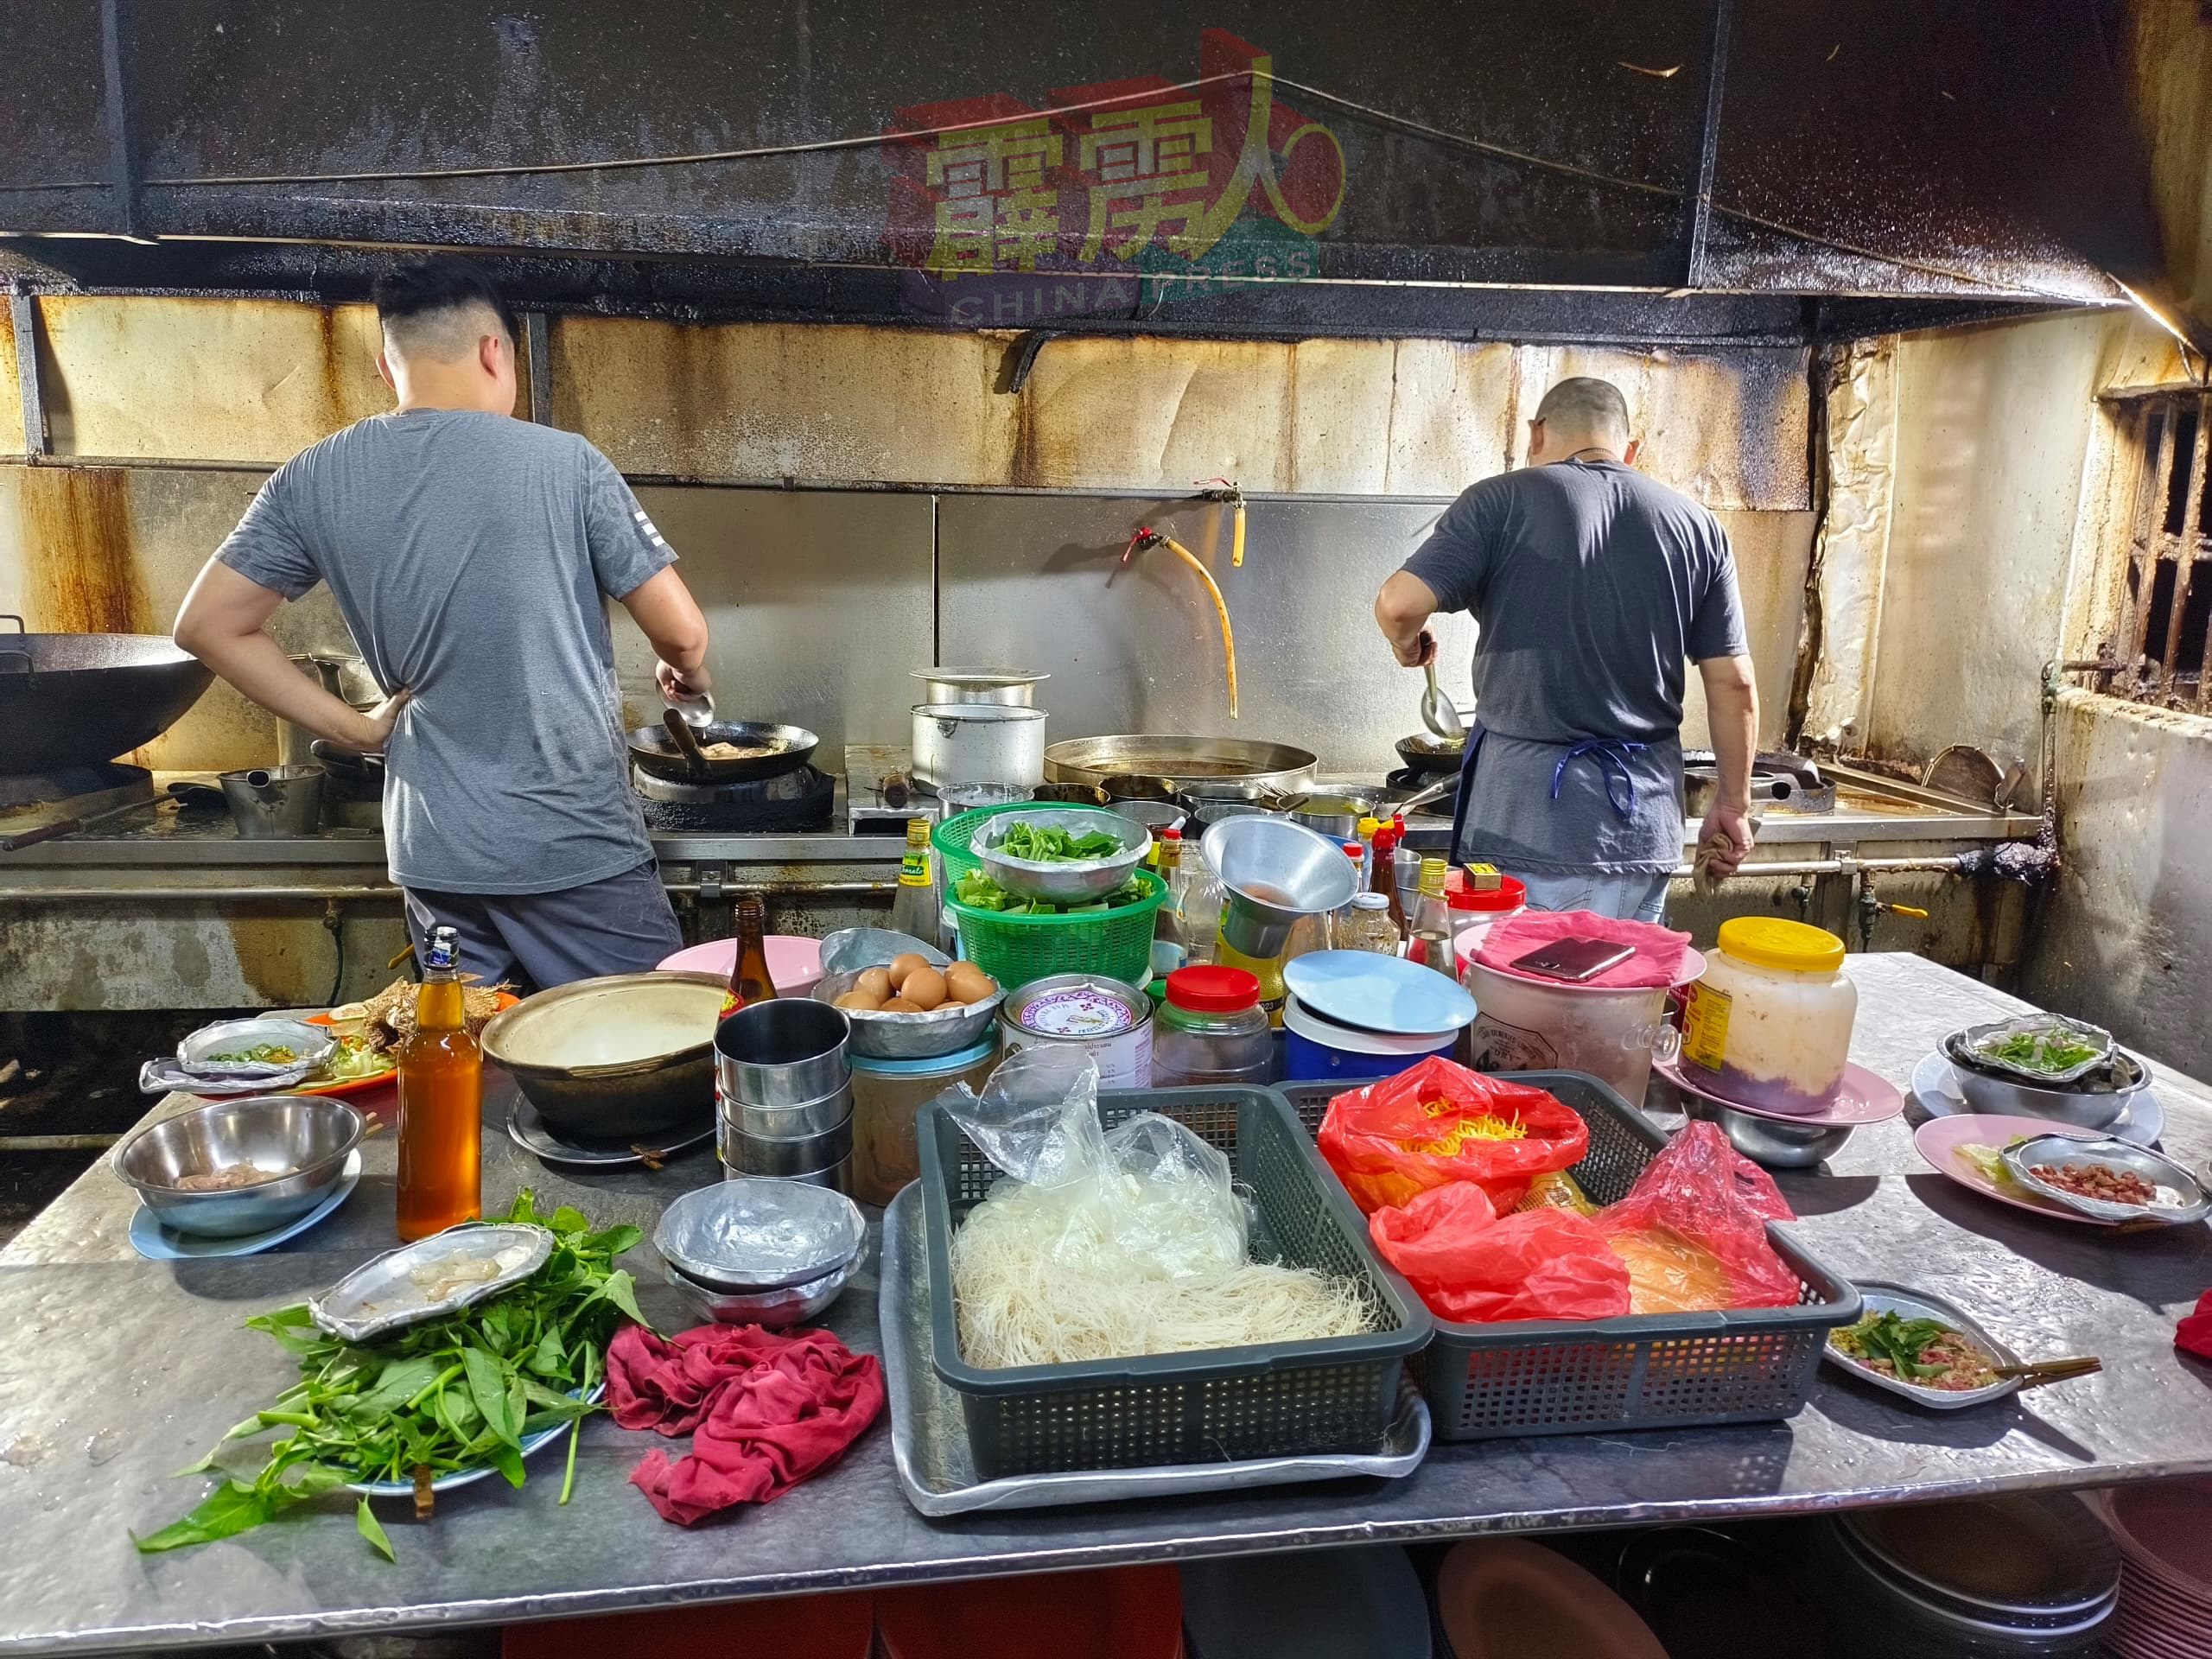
pixel 1367 829
pixel 749 979
pixel 1366 925
pixel 1268 971
pixel 440 1101
pixel 914 909
pixel 1383 875
pixel 1209 1030
pixel 1431 944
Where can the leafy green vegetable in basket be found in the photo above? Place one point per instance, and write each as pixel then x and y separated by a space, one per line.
pixel 978 892
pixel 1045 844
pixel 450 1393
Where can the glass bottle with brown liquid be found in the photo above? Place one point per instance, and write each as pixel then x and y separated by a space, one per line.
pixel 749 980
pixel 441 1102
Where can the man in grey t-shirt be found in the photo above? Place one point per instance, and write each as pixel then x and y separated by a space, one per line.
pixel 1590 585
pixel 469 552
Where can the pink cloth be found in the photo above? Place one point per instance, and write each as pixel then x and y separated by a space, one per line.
pixel 1660 953
pixel 765 1410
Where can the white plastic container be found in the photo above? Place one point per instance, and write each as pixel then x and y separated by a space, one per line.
pixel 1769 1024
pixel 1535 1025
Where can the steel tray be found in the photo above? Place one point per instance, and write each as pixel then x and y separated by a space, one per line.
pixel 929 1431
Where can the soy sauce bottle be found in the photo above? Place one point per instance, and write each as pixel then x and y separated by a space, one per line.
pixel 440 1101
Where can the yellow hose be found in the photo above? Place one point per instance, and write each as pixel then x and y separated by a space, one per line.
pixel 1220 605
pixel 1236 539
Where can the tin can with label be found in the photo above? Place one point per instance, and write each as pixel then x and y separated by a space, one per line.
pixel 1107 1018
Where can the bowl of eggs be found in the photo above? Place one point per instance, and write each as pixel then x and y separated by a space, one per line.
pixel 911 1009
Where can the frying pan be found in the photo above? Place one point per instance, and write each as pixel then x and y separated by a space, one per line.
pixel 79 699
pixel 1424 754
pixel 790 747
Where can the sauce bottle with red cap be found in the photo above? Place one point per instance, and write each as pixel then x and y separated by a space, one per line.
pixel 1211 1030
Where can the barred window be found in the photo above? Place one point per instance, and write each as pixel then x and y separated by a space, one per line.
pixel 2161 651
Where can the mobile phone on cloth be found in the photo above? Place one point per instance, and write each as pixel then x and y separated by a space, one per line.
pixel 1572 960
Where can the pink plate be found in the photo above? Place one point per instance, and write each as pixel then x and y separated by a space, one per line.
pixel 2162 1527
pixel 1940 1138
pixel 1862 1097
pixel 794 963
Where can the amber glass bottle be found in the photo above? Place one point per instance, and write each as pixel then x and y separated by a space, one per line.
pixel 749 980
pixel 441 1102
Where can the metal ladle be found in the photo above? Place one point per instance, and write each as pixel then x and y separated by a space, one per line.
pixel 1439 714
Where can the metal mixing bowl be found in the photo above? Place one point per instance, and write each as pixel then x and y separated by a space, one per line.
pixel 774 1309
pixel 2000 1095
pixel 620 1058
pixel 744 1237
pixel 1767 1141
pixel 1063 884
pixel 299 1140
pixel 944 1030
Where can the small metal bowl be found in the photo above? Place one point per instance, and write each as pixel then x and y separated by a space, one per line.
pixel 463 1265
pixel 1063 884
pixel 783 1053
pixel 771 1309
pixel 2192 1202
pixel 744 1237
pixel 850 950
pixel 944 1030
pixel 311 1045
pixel 299 1140
pixel 1999 1095
pixel 1774 1142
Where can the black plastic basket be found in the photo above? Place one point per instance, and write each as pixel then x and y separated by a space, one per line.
pixel 1273 1399
pixel 1641 1370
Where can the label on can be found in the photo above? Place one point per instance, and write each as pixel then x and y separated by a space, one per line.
pixel 1115 1034
pixel 1705 1026
pixel 1080 1013
pixel 1498 1046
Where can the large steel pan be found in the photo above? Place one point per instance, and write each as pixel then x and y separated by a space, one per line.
pixel 1244 768
pixel 79 699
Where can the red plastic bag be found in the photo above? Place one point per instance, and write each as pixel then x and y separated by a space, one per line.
pixel 1693 1230
pixel 1471 1265
pixel 1426 1128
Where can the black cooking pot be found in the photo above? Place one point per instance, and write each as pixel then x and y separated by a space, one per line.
pixel 80 699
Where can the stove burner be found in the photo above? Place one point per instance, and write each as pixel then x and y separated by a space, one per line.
pixel 53 788
pixel 798 799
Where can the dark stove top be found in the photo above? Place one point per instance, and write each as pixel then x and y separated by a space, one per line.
pixel 798 799
pixel 53 788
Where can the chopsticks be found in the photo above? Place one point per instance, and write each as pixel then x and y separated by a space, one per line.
pixel 2038 1372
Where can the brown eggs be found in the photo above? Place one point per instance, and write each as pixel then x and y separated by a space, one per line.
pixel 900 1005
pixel 902 966
pixel 924 986
pixel 858 1000
pixel 965 982
pixel 875 982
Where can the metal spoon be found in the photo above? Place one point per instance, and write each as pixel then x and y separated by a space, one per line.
pixel 1439 714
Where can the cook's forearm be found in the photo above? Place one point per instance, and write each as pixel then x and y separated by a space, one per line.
pixel 1731 707
pixel 671 620
pixel 257 665
pixel 1402 610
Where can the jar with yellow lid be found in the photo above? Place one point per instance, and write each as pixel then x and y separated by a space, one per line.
pixel 1769 1023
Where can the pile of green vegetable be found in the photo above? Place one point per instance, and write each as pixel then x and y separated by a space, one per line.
pixel 453 1393
pixel 2047 1052
pixel 978 892
pixel 1045 844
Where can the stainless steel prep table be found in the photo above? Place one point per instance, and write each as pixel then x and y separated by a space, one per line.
pixel 122 1370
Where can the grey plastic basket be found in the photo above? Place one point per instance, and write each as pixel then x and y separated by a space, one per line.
pixel 1647 1371
pixel 1277 1399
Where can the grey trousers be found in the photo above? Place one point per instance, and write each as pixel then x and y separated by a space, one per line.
pixel 1625 897
pixel 623 924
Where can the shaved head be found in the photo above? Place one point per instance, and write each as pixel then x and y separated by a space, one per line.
pixel 437 310
pixel 1586 405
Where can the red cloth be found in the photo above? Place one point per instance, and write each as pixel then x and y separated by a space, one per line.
pixel 1660 953
pixel 2194 1334
pixel 765 1410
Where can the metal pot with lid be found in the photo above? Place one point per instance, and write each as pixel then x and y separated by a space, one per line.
pixel 977 743
pixel 1008 688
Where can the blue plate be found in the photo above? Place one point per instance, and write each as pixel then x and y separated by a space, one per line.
pixel 543 1438
pixel 1378 992
pixel 157 1243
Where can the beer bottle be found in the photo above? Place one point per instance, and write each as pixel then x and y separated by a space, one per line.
pixel 440 1101
pixel 749 981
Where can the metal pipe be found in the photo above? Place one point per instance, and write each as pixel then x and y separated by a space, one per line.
pixel 180 894
pixel 1948 864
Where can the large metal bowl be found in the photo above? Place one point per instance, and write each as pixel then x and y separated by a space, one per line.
pixel 945 1030
pixel 1062 884
pixel 1767 1141
pixel 2000 1095
pixel 742 1236
pixel 773 1310
pixel 614 1059
pixel 301 1140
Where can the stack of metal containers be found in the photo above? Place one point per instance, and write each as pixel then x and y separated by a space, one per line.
pixel 783 1093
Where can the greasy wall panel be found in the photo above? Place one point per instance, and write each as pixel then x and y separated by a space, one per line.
pixel 2166 65
pixel 2125 935
pixel 1453 416
pixel 187 379
pixel 1993 429
pixel 817 603
pixel 1157 413
pixel 11 391
pixel 1023 583
pixel 113 549
pixel 770 401
pixel 1772 549
pixel 1862 445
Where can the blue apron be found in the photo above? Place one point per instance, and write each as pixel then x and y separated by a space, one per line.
pixel 1611 754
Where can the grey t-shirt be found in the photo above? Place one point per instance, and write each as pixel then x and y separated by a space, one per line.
pixel 1592 586
pixel 468 553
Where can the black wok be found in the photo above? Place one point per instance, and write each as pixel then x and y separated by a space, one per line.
pixel 1430 758
pixel 789 748
pixel 80 699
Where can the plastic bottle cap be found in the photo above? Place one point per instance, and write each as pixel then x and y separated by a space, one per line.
pixel 1791 947
pixel 1370 901
pixel 1213 990
pixel 1171 834
pixel 1510 893
pixel 1368 826
pixel 1353 849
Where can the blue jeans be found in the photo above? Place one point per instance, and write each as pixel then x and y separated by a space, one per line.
pixel 1636 897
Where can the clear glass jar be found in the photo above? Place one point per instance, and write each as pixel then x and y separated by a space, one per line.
pixel 1211 1030
pixel 1769 1023
pixel 1366 925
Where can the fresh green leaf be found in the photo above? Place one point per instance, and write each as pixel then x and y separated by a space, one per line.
pixel 566 1220
pixel 366 1523
pixel 487 1386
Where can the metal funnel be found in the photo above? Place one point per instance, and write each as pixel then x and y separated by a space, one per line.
pixel 1275 871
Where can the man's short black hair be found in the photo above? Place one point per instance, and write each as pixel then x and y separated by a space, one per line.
pixel 430 288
